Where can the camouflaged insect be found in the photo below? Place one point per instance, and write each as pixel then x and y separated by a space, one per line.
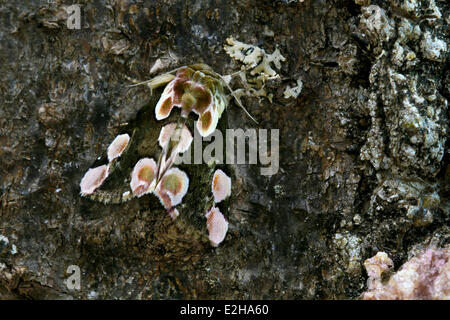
pixel 194 91
pixel 129 168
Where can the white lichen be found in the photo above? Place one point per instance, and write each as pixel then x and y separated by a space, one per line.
pixel 255 59
pixel 376 23
pixel 4 239
pixel 432 47
pixel 259 66
pixel 350 248
pixel 294 92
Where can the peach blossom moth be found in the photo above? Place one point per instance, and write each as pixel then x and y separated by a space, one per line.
pixel 195 89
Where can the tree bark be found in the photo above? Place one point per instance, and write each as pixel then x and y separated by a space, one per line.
pixel 364 163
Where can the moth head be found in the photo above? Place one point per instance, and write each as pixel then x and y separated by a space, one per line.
pixel 194 91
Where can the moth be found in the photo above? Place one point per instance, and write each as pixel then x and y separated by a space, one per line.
pixel 140 160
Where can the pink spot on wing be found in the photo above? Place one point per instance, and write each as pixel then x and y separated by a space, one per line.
pixel 217 226
pixel 93 179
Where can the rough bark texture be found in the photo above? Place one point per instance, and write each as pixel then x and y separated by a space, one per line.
pixel 364 163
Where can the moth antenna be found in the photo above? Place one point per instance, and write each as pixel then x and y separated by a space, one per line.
pixel 146 82
pixel 136 82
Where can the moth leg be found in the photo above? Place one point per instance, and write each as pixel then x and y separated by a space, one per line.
pixel 236 98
